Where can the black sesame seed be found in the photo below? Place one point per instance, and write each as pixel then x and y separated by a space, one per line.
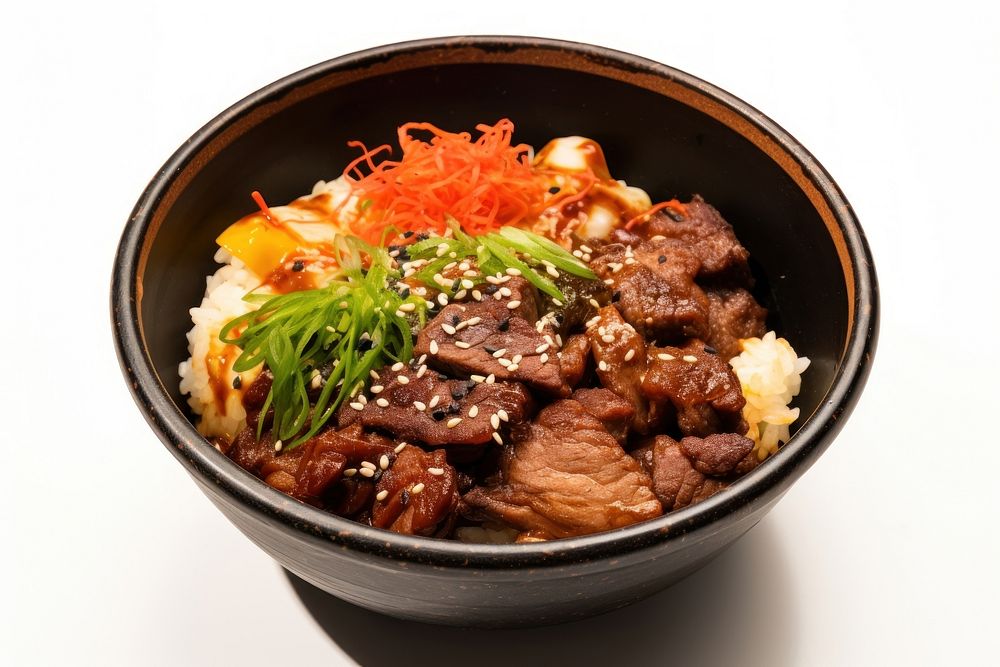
pixel 404 498
pixel 438 414
pixel 237 382
pixel 377 476
pixel 298 265
pixel 554 190
pixel 661 259
pixel 454 408
pixel 458 393
pixel 364 344
pixel 404 255
pixel 676 216
pixel 455 319
pixel 616 295
pixel 407 234
pixel 405 292
pixel 423 236
pixel 560 317
pixel 504 324
pixel 711 350
pixel 491 289
pixel 490 350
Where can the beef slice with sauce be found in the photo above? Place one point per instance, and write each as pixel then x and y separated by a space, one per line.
pixel 499 337
pixel 421 405
pixel 733 314
pixel 690 471
pixel 620 354
pixel 700 385
pixel 699 229
pixel 654 289
pixel 419 494
pixel 613 411
pixel 568 477
pixel 574 359
pixel 308 472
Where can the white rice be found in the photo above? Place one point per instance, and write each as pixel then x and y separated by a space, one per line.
pixel 223 301
pixel 770 375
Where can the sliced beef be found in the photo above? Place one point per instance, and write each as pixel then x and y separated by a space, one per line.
pixel 310 470
pixel 573 359
pixel 700 229
pixel 420 494
pixel 653 287
pixel 568 477
pixel 701 386
pixel 620 353
pixel 613 411
pixel 733 314
pixel 432 409
pixel 489 337
pixel 690 471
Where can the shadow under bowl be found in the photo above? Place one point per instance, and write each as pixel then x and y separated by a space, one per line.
pixel 661 129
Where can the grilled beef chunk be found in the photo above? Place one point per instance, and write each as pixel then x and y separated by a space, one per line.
pixel 489 337
pixel 573 362
pixel 424 407
pixel 698 228
pixel 701 386
pixel 689 472
pixel 733 314
pixel 613 411
pixel 653 287
pixel 310 470
pixel 421 494
pixel 568 477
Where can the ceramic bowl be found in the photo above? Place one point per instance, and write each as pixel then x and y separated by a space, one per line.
pixel 661 129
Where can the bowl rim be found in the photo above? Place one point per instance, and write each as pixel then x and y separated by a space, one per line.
pixel 765 484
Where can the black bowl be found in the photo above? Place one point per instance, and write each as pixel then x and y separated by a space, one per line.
pixel 661 129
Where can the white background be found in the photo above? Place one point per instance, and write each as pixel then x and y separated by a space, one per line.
pixel 886 552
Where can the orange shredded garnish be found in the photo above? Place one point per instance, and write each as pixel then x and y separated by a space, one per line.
pixel 484 184
pixel 259 200
pixel 673 204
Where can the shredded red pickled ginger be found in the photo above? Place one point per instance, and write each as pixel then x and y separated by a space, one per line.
pixel 484 184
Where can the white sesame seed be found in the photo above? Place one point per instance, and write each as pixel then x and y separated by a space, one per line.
pixel 690 358
pixel 376 388
pixel 493 280
pixel 421 371
pixel 453 422
pixel 460 294
pixel 499 353
pixel 592 321
pixel 468 284
pixel 434 347
pixel 421 359
pixel 382 495
pixel 400 447
pixel 331 329
pixel 602 330
pixel 366 472
pixel 593 302
pixel 552 272
pixel 368 464
pixel 548 339
pixel 278 445
pixel 477 295
pixel 513 304
pixel 420 405
pixel 434 401
pixel 477 378
pixel 516 358
pixel 603 365
pixel 511 271
pixel 383 462
pixel 502 414
pixel 382 403
pixel 497 296
pixel 494 422
pixel 541 348
pixel 502 278
pixel 317 380
pixel 443 299
pixel 461 325
pixel 473 411
pixel 408 307
pixel 608 338
pixel 464 266
pixel 504 362
pixel 398 366
pixel 373 375
pixel 448 329
pixel 665 357
pixel 540 326
pixel 357 406
pixel 630 260
pixel 462 345
pixel 417 488
pixel 544 358
pixel 362 399
pixel 496 436
pixel 473 321
pixel 578 253
pixel 491 378
pixel 629 355
pixel 436 471
pixel 585 248
pixel 350 472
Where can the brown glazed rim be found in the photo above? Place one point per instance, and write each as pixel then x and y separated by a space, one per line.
pixel 763 485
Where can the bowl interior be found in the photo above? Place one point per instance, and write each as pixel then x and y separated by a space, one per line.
pixel 653 141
